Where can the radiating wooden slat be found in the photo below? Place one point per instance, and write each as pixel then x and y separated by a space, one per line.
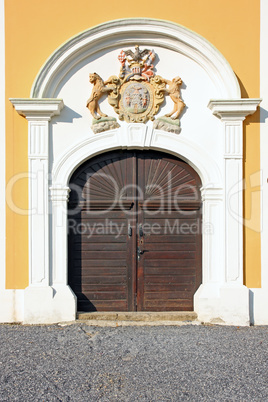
pixel 163 307
pixel 101 303
pixel 172 279
pixel 99 288
pixel 97 271
pixel 152 262
pixel 101 239
pixel 102 295
pixel 175 287
pixel 167 270
pixel 90 246
pixel 78 262
pixel 177 216
pixel 115 305
pixel 168 303
pixel 170 254
pixel 107 213
pixel 167 295
pixel 152 247
pixel 171 239
pixel 117 280
pixel 104 254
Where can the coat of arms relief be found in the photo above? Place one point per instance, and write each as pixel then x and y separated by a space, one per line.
pixel 136 94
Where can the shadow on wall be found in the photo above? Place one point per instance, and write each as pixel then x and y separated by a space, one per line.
pixel 244 93
pixel 251 307
pixel 263 115
pixel 67 116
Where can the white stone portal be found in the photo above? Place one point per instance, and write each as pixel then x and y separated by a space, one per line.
pixel 212 143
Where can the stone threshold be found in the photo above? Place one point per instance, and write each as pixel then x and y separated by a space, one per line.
pixel 139 316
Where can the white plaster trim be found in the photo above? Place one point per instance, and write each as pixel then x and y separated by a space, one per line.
pixel 59 193
pixel 37 109
pixel 2 149
pixel 129 32
pixel 234 109
pixel 213 235
pixel 199 159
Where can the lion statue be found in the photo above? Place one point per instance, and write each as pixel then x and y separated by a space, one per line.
pixel 99 89
pixel 174 92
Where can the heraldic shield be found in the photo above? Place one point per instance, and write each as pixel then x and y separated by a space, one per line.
pixel 136 94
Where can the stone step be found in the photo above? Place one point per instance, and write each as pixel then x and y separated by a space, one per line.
pixel 139 316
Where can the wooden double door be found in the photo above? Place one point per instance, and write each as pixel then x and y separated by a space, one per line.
pixel 134 233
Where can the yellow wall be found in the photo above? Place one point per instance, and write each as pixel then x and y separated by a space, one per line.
pixel 35 28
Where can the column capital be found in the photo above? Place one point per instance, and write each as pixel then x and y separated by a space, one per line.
pixel 212 194
pixel 37 109
pixel 59 193
pixel 233 109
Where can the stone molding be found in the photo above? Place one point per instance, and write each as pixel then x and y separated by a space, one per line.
pixel 130 32
pixel 136 136
pixel 59 193
pixel 37 109
pixel 234 109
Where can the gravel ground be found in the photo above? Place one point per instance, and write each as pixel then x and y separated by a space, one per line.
pixel 84 363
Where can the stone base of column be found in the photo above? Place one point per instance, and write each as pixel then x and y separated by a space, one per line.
pixel 222 304
pixel 49 305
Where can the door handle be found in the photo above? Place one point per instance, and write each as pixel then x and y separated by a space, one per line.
pixel 140 230
pixel 139 251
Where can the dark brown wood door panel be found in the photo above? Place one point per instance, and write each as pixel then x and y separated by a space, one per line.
pixel 135 233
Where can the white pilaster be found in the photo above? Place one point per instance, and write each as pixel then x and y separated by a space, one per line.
pixel 38 112
pixel 59 198
pixel 232 113
pixel 228 300
pixel 42 302
pixel 233 132
pixel 212 235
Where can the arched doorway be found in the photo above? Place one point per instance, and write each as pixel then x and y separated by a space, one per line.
pixel 219 163
pixel 134 235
